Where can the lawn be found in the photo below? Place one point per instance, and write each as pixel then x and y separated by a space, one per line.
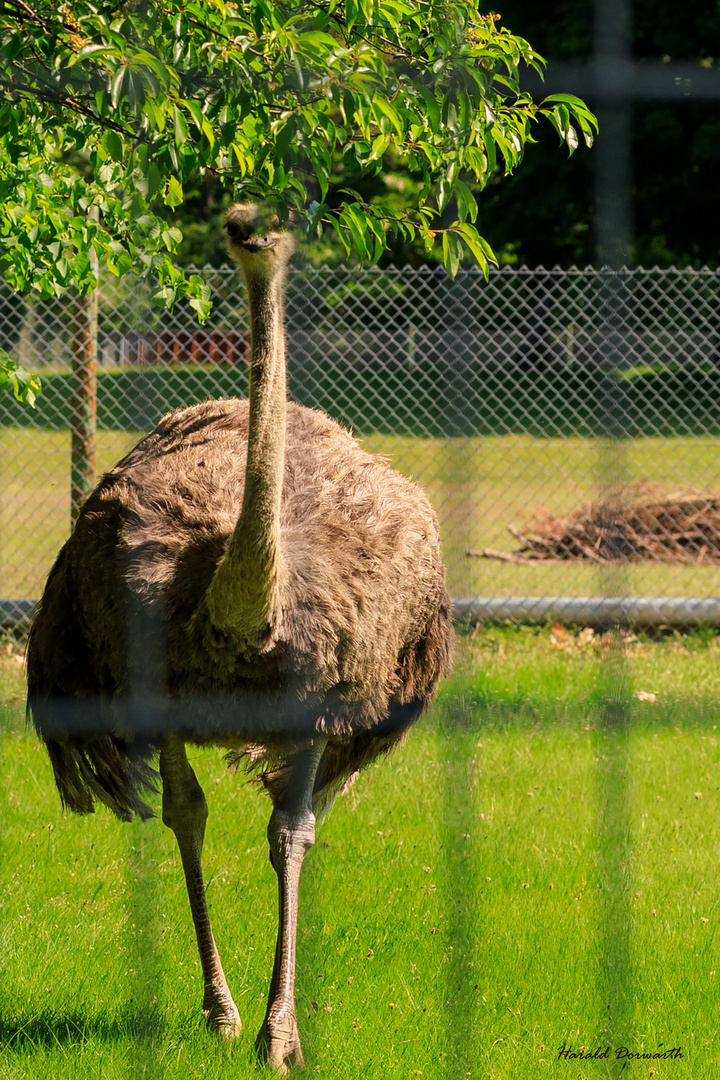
pixel 35 501
pixel 479 486
pixel 534 868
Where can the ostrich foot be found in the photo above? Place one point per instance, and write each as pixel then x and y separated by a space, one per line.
pixel 278 1042
pixel 221 1015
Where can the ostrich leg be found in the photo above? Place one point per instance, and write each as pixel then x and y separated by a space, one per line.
pixel 291 833
pixel 185 812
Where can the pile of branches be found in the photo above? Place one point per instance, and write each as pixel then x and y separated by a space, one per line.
pixel 631 524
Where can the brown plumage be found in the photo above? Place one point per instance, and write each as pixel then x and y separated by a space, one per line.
pixel 246 577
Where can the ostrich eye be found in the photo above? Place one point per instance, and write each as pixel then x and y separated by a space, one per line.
pixel 232 229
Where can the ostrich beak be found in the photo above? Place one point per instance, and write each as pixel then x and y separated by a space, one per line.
pixel 257 243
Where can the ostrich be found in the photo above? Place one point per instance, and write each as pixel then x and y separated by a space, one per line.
pixel 246 577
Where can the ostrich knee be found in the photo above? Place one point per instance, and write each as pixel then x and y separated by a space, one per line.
pixel 184 806
pixel 290 837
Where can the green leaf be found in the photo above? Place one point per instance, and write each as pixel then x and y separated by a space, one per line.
pixel 478 247
pixel 154 178
pixel 113 144
pixel 118 86
pixel 173 192
pixel 180 127
pixel 96 51
pixel 476 161
pixel 564 106
pixel 451 253
pixel 356 221
pixel 490 152
pixel 375 228
pixel 467 204
pixel 199 296
pixel 195 112
pixel 341 233
pixel 568 99
pixel 383 107
pixel 171 238
pixel 432 110
pixel 379 145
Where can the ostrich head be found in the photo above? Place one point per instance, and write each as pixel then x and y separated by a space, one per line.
pixel 255 240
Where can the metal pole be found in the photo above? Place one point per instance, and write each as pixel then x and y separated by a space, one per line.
pixel 83 398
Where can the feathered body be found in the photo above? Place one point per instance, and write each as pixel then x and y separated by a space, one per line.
pixel 363 637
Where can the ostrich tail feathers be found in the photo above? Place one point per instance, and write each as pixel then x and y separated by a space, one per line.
pixel 103 769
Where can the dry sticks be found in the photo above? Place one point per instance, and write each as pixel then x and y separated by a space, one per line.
pixel 631 524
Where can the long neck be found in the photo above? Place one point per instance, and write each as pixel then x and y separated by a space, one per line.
pixel 243 597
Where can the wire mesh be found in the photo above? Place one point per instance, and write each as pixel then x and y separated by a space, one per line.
pixel 496 396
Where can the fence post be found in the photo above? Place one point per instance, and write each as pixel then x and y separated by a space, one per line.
pixel 83 399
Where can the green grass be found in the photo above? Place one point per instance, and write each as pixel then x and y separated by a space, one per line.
pixel 469 906
pixel 35 501
pixel 479 487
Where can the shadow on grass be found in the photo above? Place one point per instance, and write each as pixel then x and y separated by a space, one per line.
pixel 31 1030
pixel 474 711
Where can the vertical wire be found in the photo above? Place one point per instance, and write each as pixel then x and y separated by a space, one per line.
pixel 142 937
pixel 83 398
pixel 457 733
pixel 146 688
pixel 455 724
pixel 613 241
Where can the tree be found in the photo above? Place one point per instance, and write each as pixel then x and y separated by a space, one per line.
pixel 544 215
pixel 119 107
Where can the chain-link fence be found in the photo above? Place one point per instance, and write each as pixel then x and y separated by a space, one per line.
pixel 497 396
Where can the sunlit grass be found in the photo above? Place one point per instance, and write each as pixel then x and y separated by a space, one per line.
pixel 452 908
pixel 479 487
pixel 35 501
